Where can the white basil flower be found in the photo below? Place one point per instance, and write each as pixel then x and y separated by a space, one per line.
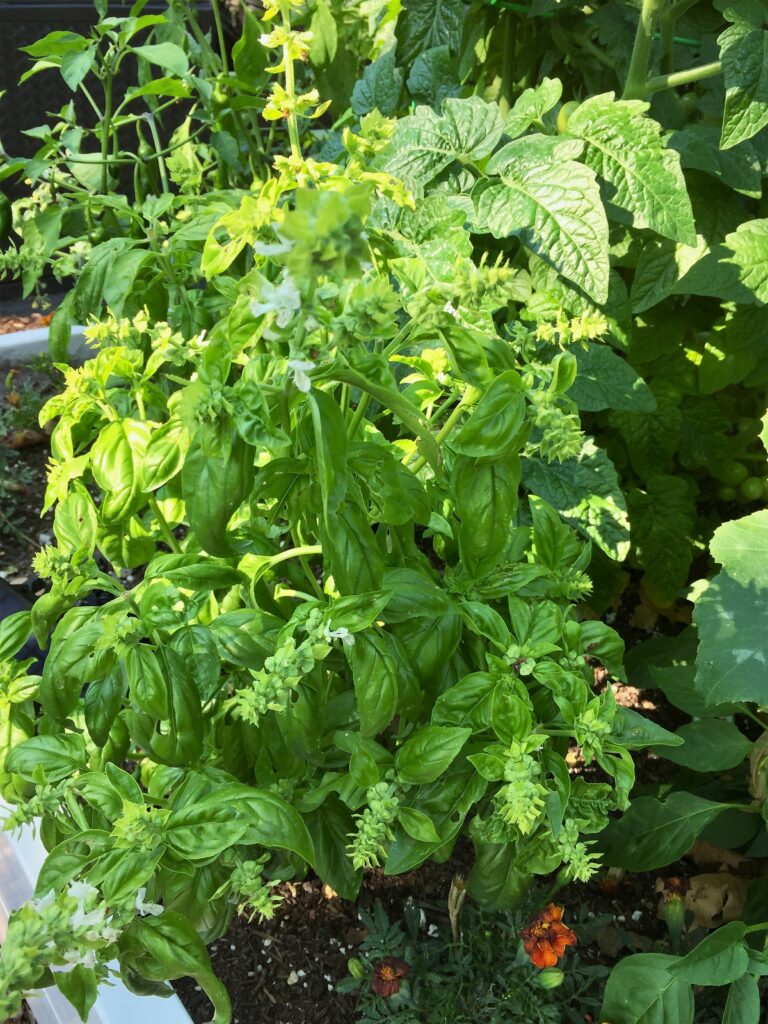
pixel 342 633
pixel 272 248
pixel 81 891
pixel 283 299
pixel 86 957
pixel 44 902
pixel 83 918
pixel 144 908
pixel 299 368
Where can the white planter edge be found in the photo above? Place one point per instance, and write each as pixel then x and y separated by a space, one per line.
pixel 21 346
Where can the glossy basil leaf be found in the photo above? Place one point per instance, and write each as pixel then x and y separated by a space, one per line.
pixel 425 756
pixel 330 450
pixel 492 428
pixel 375 676
pixel 78 985
pixel 418 825
pixel 57 755
pixel 486 501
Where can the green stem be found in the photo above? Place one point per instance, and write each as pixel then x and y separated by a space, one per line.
pixel 509 48
pixel 660 82
pixel 471 395
pixel 362 405
pixel 106 126
pixel 158 152
pixel 165 529
pixel 641 52
pixel 290 84
pixel 744 710
pixel 220 35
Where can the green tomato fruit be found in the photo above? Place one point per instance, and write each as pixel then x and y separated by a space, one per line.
pixel 752 488
pixel 733 474
pixel 564 114
pixel 727 493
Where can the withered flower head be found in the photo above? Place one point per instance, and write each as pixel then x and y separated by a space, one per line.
pixel 546 938
pixel 673 889
pixel 388 975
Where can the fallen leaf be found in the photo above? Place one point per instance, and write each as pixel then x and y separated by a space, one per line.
pixel 703 853
pixel 715 899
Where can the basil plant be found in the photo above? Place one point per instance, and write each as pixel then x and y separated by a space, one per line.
pixel 300 617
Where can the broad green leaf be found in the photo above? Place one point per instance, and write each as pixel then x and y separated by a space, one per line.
pixel 552 204
pixel 741 547
pixel 678 683
pixel 662 517
pixel 485 495
pixel 270 820
pixel 426 23
pixel 709 745
pixel 586 493
pixel 641 990
pixel 79 985
pixel 330 827
pixel 734 349
pixel 14 633
pixel 374 671
pixel 424 757
pixel 642 177
pixel 652 438
pixel 718 959
pixel 492 428
pixel 425 143
pixel 75 65
pixel 744 55
pixel 653 834
pixel 379 88
pixel 606 381
pixel 447 802
pixel 433 77
pixel 531 106
pixel 749 245
pixel 167 55
pixel 743 1003
pixel 468 703
pixel 699 149
pixel 324 41
pixel 732 620
pixel 418 825
pixel 634 731
pixel 330 450
pixel 175 950
pixel 667 268
pixel 58 755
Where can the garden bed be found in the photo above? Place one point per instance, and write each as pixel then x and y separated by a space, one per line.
pixel 24 453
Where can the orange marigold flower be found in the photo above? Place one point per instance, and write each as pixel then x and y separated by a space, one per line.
pixel 546 938
pixel 388 976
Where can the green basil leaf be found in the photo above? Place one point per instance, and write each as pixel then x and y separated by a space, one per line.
pixel 425 756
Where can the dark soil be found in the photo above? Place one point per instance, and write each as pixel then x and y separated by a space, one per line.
pixel 24 452
pixel 25 1017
